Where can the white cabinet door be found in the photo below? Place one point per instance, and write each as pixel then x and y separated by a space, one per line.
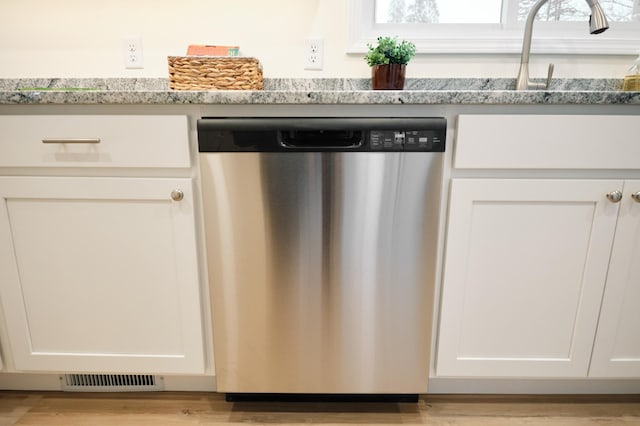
pixel 100 274
pixel 526 262
pixel 616 352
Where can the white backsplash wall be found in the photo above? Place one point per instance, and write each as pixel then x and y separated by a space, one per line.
pixel 84 38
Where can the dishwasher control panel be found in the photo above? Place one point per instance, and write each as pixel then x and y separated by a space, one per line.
pixel 403 140
pixel 322 134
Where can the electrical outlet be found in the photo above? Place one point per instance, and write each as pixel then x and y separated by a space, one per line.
pixel 132 51
pixel 313 53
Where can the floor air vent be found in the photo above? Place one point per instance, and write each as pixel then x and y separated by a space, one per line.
pixel 111 383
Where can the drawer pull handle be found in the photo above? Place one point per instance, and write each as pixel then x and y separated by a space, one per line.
pixel 636 196
pixel 177 195
pixel 615 196
pixel 72 140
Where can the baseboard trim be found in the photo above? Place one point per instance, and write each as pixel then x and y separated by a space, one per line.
pixel 53 382
pixel 440 385
pixel 437 385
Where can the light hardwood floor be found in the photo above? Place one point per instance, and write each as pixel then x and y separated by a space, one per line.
pixel 177 408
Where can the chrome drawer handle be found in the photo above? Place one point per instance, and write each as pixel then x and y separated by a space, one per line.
pixel 177 195
pixel 636 196
pixel 72 140
pixel 615 196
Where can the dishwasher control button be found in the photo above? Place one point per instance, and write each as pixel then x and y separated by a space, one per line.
pixel 419 140
pixel 387 140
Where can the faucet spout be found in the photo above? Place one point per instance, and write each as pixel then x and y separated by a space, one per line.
pixel 598 20
pixel 597 24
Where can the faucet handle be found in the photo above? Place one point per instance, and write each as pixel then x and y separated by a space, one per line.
pixel 549 75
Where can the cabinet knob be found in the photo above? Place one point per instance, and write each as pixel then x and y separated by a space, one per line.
pixel 615 196
pixel 636 196
pixel 177 195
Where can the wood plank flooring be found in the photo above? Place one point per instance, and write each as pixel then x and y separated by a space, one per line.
pixel 186 408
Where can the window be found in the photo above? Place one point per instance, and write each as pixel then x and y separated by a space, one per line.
pixel 495 26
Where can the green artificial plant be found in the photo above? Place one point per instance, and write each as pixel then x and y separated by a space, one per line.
pixel 390 51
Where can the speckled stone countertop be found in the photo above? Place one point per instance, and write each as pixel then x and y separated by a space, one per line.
pixel 338 91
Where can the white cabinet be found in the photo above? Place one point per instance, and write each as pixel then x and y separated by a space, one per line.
pixel 540 277
pixel 94 141
pixel 560 142
pixel 526 262
pixel 616 352
pixel 100 273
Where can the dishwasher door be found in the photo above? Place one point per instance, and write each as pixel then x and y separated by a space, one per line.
pixel 321 266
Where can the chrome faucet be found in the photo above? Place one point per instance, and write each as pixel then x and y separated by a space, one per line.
pixel 597 24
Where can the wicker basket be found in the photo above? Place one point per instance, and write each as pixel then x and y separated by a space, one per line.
pixel 631 83
pixel 214 73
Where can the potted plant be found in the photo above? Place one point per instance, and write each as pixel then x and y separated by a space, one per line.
pixel 388 61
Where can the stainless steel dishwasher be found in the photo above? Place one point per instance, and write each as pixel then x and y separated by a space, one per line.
pixel 321 241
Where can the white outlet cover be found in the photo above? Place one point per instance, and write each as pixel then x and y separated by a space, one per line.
pixel 313 54
pixel 132 52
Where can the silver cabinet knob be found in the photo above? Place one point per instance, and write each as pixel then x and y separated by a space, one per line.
pixel 636 196
pixel 177 195
pixel 615 196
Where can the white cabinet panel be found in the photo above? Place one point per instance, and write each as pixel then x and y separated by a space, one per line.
pixel 524 270
pixel 487 141
pixel 616 352
pixel 100 274
pixel 94 141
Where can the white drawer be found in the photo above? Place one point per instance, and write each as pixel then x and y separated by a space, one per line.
pixel 547 142
pixel 94 141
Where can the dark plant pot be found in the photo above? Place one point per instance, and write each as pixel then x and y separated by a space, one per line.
pixel 388 77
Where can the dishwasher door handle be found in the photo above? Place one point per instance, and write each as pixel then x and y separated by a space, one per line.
pixel 326 139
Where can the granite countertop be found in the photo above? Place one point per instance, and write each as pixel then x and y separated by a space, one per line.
pixel 457 91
